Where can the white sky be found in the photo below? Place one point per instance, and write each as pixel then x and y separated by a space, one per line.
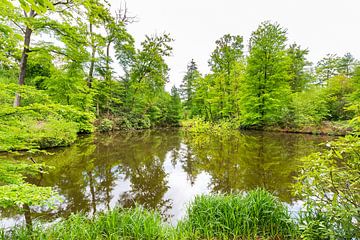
pixel 322 26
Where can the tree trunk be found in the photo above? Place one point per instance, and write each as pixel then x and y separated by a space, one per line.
pixel 108 70
pixel 92 61
pixel 23 62
pixel 28 218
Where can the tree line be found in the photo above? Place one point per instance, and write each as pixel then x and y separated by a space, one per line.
pixel 273 85
pixel 80 53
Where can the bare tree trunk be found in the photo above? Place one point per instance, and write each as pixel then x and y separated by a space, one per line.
pixel 23 62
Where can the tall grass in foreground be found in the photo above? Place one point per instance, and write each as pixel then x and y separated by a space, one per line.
pixel 258 215
pixel 135 223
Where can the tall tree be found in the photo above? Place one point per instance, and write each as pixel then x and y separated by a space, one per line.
pixel 300 76
pixel 187 87
pixel 228 52
pixel 266 87
pixel 36 16
pixel 98 15
pixel 347 64
pixel 327 68
pixel 148 76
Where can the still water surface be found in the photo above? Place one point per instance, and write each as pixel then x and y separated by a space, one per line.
pixel 165 169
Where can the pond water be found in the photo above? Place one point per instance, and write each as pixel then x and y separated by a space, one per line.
pixel 165 169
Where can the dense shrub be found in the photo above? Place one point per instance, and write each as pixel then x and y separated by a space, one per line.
pixel 309 107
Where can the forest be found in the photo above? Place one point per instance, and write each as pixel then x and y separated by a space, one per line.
pixel 71 67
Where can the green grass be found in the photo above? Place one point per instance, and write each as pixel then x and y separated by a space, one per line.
pixel 257 215
pixel 119 223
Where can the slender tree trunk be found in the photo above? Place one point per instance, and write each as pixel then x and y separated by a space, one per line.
pixel 92 61
pixel 108 70
pixel 23 61
pixel 28 219
pixel 92 65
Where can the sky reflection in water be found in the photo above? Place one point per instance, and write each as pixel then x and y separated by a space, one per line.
pixel 166 169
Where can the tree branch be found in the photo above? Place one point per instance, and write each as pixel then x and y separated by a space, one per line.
pixel 20 27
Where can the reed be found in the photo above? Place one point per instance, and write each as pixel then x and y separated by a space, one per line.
pixel 257 215
pixel 136 223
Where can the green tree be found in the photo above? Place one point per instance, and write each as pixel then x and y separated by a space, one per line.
pixel 98 15
pixel 265 91
pixel 337 90
pixel 327 68
pixel 227 54
pixel 145 87
pixel 175 107
pixel 347 64
pixel 300 76
pixel 29 17
pixel 187 87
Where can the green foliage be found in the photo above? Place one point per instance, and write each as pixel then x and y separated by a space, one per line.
pixel 266 89
pixel 105 125
pixel 256 215
pixel 187 88
pixel 24 128
pixel 14 191
pixel 226 64
pixel 332 65
pixel 174 106
pixel 29 94
pixel 337 91
pixel 300 77
pixel 119 223
pixel 309 107
pixel 38 123
pixel 330 185
pixel 223 128
pixel 67 87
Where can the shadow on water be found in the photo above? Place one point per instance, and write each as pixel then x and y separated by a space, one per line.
pixel 165 169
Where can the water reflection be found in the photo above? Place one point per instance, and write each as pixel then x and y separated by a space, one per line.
pixel 165 169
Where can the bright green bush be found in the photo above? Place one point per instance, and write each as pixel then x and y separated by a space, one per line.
pixel 309 107
pixel 27 133
pixel 41 126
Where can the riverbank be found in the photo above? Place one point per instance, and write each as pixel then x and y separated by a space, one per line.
pixel 325 128
pixel 40 127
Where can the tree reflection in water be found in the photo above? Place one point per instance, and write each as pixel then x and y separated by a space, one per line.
pixel 128 168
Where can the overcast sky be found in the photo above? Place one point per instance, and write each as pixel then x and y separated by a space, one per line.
pixel 322 26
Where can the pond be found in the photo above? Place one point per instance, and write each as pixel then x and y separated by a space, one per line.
pixel 165 169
